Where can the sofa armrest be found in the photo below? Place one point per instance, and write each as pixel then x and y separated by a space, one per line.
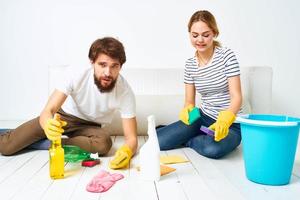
pixel 260 89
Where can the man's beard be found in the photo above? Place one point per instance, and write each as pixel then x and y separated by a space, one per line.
pixel 105 88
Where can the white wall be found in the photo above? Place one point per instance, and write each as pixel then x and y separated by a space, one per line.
pixel 35 34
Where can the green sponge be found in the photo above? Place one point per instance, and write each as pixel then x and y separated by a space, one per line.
pixel 194 115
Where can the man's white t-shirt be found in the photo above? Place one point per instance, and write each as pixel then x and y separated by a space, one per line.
pixel 87 102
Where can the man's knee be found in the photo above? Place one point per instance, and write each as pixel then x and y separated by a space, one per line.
pixel 101 144
pixel 7 150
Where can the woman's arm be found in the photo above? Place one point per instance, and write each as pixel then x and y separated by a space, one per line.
pixel 235 92
pixel 189 95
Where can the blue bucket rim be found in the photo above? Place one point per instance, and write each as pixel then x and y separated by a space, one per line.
pixel 243 119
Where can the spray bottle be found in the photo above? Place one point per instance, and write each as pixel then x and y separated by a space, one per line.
pixel 56 158
pixel 149 154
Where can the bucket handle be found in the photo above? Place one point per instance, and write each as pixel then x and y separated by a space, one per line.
pixel 244 120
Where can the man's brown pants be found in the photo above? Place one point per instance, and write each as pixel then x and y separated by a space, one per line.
pixel 82 133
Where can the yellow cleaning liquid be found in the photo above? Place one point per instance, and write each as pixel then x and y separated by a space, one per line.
pixel 57 162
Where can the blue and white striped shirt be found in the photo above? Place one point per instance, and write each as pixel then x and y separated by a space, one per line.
pixel 211 80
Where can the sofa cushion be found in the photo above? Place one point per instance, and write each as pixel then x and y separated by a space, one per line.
pixel 165 108
pixel 160 91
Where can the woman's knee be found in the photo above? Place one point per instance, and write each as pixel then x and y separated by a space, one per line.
pixel 175 135
pixel 206 146
pixel 214 152
pixel 219 150
pixel 163 144
pixel 166 143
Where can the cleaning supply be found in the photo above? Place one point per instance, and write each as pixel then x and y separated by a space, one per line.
pixel 164 170
pixel 221 126
pixel 194 114
pixel 184 114
pixel 103 181
pixel 207 131
pixel 172 159
pixel 121 158
pixel 53 127
pixel 90 162
pixel 269 147
pixel 189 114
pixel 75 154
pixel 56 153
pixel 149 154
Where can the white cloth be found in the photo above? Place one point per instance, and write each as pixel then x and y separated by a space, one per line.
pixel 87 102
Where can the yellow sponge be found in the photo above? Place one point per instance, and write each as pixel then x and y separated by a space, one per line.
pixel 166 170
pixel 163 169
pixel 172 159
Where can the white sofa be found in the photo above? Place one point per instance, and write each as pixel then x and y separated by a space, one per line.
pixel 160 91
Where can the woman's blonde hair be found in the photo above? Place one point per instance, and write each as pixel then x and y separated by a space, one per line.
pixel 208 18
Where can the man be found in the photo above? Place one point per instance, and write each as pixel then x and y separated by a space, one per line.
pixel 83 102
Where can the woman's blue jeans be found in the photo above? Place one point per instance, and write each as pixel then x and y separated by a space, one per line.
pixel 178 135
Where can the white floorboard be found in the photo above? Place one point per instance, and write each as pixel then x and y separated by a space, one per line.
pixel 26 176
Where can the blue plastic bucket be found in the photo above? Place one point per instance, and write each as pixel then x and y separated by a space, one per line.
pixel 269 147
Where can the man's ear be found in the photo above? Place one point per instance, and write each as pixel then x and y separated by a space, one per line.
pixel 92 62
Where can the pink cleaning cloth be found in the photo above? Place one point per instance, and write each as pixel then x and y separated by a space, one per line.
pixel 103 181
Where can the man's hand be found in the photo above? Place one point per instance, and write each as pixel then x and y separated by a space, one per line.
pixel 121 158
pixel 53 128
pixel 221 126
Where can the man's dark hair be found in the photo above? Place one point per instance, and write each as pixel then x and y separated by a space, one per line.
pixel 108 46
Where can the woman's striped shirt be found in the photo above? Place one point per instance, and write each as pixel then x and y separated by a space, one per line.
pixel 211 80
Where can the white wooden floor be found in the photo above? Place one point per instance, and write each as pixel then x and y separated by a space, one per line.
pixel 26 176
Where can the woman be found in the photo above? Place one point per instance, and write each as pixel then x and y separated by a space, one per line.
pixel 213 72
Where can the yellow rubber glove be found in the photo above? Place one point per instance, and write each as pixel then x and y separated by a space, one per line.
pixel 121 158
pixel 53 128
pixel 221 126
pixel 184 114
